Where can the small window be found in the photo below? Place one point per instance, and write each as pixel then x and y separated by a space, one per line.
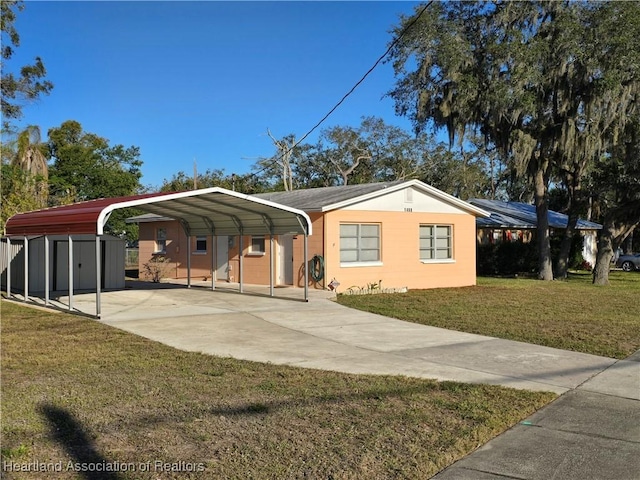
pixel 201 245
pixel 359 243
pixel 257 245
pixel 161 240
pixel 436 242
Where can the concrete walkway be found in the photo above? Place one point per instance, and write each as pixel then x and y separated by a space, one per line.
pixel 590 432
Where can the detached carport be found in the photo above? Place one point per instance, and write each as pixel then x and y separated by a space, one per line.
pixel 210 211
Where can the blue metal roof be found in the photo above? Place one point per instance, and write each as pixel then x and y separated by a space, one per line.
pixel 522 216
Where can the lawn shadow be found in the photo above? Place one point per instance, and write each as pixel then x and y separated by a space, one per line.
pixel 71 435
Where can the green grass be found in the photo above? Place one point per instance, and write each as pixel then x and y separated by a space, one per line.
pixel 76 390
pixel 571 315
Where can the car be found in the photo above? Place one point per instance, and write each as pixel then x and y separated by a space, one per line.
pixel 628 263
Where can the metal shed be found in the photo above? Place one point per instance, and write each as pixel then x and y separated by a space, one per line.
pixel 210 211
pixel 84 265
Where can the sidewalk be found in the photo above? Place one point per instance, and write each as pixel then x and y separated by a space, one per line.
pixel 592 432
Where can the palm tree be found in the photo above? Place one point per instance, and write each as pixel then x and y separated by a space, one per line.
pixel 30 159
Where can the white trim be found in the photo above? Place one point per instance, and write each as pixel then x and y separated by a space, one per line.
pixel 104 214
pixel 442 260
pixel 360 264
pixel 439 194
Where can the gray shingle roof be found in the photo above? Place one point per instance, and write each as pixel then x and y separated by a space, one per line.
pixel 314 199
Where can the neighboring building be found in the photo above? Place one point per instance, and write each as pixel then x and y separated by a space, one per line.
pixel 404 234
pixel 515 221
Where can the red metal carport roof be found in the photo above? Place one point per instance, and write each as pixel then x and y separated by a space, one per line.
pixel 81 217
pixel 203 212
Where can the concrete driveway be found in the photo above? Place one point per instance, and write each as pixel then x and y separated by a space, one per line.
pixel 325 335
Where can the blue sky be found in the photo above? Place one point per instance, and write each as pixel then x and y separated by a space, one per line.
pixel 204 80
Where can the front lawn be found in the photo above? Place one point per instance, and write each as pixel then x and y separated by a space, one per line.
pixel 571 315
pixel 78 395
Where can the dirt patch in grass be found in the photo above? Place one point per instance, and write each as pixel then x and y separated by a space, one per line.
pixel 77 394
pixel 571 315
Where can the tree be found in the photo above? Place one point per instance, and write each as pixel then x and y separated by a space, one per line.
pixel 25 86
pixel 24 174
pixel 347 152
pixel 615 184
pixel 284 151
pixel 86 167
pixel 531 77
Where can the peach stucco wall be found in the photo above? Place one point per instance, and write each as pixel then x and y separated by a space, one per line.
pixel 255 267
pixel 400 253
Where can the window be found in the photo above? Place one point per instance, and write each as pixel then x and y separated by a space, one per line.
pixel 161 240
pixel 436 242
pixel 257 245
pixel 201 245
pixel 359 243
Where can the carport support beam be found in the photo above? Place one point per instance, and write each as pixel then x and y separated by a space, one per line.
pixel 46 269
pixel 8 267
pixel 214 256
pixel 241 253
pixel 70 273
pixel 188 261
pixel 306 268
pixel 271 240
pixel 98 276
pixel 26 268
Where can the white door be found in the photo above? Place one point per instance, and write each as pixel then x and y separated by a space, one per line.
pixel 285 260
pixel 222 258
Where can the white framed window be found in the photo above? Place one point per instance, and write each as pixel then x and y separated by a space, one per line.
pixel 161 240
pixel 201 245
pixel 436 243
pixel 257 246
pixel 359 244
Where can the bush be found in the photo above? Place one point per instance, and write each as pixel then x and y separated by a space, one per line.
pixel 156 268
pixel 507 258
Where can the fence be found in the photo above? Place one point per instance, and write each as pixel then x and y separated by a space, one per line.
pixel 131 258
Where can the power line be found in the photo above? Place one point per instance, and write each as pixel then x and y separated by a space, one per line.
pixel 335 107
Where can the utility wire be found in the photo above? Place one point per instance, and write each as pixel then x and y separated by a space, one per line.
pixel 335 107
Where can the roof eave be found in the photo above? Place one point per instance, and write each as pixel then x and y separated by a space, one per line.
pixel 439 194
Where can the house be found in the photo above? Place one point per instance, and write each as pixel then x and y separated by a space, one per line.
pixel 397 234
pixel 516 221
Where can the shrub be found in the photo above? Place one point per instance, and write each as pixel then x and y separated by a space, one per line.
pixel 156 268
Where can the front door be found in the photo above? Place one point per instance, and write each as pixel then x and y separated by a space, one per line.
pixel 222 258
pixel 285 257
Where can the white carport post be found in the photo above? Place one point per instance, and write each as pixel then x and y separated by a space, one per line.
pixel 306 267
pixel 8 268
pixel 70 273
pixel 241 254
pixel 188 261
pixel 46 269
pixel 98 275
pixel 26 268
pixel 214 262
pixel 271 240
pixel 214 250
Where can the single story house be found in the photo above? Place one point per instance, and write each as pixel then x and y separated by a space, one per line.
pixel 516 221
pixel 392 234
